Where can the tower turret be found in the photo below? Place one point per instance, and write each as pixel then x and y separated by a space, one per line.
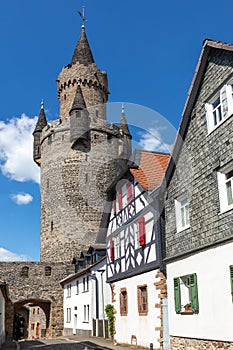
pixel 41 123
pixel 125 136
pixel 79 119
pixel 79 159
pixel 93 83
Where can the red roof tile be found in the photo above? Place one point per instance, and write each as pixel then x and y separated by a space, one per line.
pixel 151 169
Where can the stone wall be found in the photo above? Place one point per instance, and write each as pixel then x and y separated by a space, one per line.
pixel 94 87
pixel 35 287
pixel 198 344
pixel 73 190
pixel 161 285
pixel 196 169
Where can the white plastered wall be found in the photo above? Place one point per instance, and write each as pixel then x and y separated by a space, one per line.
pixel 215 318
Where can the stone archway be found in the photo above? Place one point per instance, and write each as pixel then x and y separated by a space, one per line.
pixel 45 305
pixel 30 282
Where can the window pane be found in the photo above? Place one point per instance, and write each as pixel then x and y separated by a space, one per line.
pixel 229 192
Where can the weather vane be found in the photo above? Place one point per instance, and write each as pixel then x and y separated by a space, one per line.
pixel 82 15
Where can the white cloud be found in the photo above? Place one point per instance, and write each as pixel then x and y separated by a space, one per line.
pixel 22 198
pixel 6 255
pixel 152 141
pixel 16 149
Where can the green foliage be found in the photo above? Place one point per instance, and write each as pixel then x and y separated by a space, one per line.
pixel 109 309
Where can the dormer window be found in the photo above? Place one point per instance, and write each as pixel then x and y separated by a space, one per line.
pixel 219 108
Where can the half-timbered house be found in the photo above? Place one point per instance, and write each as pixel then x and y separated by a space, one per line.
pixel 134 252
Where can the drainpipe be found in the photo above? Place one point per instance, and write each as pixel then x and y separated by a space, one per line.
pixel 102 289
pixel 96 295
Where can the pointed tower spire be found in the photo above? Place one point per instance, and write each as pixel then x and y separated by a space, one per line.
pixel 79 118
pixel 41 122
pixel 78 103
pixel 123 123
pixel 82 52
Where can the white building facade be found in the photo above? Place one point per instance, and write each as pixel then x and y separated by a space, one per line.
pixel 86 294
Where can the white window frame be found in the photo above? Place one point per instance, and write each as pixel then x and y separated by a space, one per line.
pixel 217 113
pixel 86 313
pixel 85 284
pixel 68 290
pixel 182 212
pixel 68 315
pixel 117 247
pixel 136 236
pixel 223 180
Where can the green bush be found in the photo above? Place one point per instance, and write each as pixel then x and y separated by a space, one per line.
pixel 109 309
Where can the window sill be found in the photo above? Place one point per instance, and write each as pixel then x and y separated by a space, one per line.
pixel 186 312
pixel 226 210
pixel 218 125
pixel 85 321
pixel 180 229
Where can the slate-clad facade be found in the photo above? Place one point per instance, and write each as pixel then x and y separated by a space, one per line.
pixel 198 208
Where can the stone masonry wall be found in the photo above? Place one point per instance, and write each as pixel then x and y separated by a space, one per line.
pixel 94 88
pixel 73 190
pixel 198 344
pixel 195 171
pixel 36 288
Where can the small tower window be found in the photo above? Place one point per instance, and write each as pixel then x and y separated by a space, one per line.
pixel 52 225
pixel 97 113
pixel 48 271
pixel 24 271
pixel 64 97
pixel 47 183
pixel 86 178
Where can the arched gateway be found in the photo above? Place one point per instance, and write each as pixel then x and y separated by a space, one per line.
pixel 31 284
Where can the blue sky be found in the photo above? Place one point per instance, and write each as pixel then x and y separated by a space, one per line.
pixel 149 50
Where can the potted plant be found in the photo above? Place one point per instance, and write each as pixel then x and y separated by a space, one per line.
pixel 188 307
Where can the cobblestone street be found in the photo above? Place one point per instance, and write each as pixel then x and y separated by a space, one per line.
pixel 60 344
pixel 73 343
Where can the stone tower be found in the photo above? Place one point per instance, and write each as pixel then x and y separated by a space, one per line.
pixel 79 156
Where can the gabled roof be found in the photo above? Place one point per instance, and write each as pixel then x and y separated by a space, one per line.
pixel 208 45
pixel 82 52
pixel 84 271
pixel 151 168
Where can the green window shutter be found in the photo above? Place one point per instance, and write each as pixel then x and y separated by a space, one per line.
pixel 231 276
pixel 193 292
pixel 177 295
